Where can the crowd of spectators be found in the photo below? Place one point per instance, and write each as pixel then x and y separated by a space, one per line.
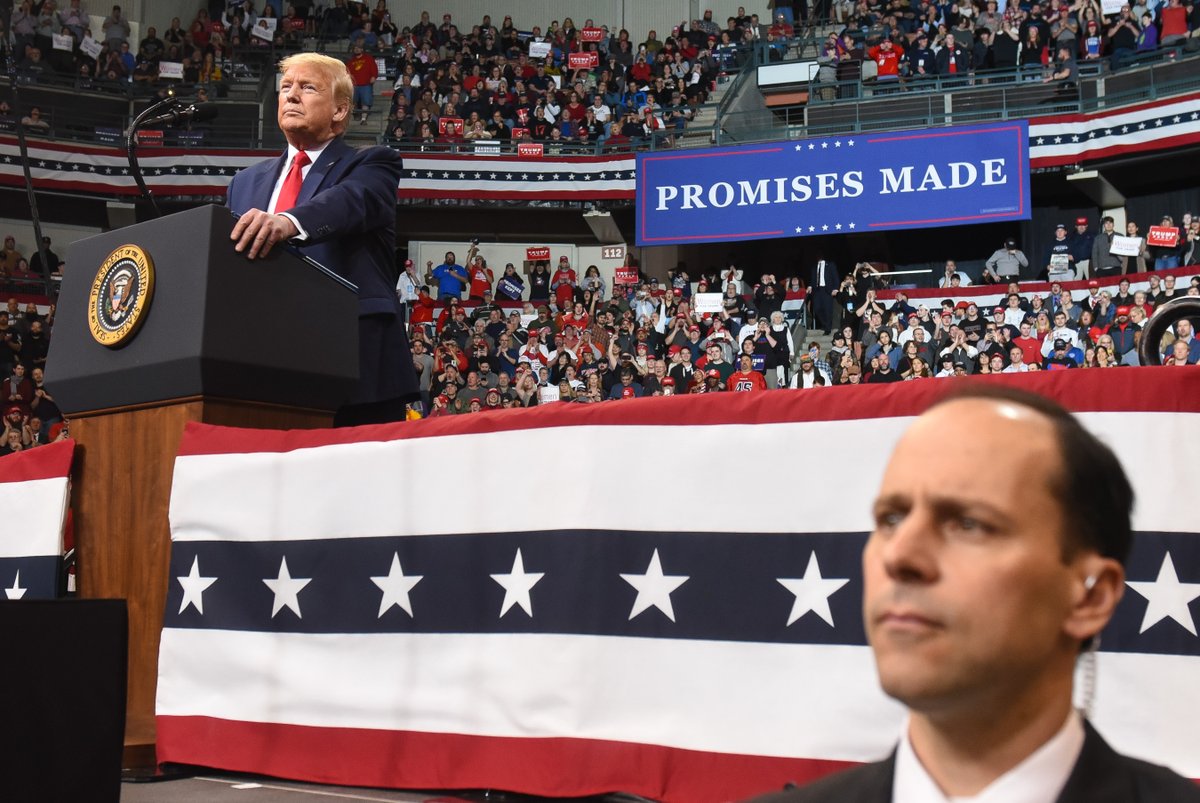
pixel 501 82
pixel 53 41
pixel 539 334
pixel 31 416
pixel 910 42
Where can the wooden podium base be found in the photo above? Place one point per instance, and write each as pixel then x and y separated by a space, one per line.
pixel 121 491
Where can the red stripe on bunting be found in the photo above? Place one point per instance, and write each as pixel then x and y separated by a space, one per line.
pixel 1147 389
pixel 43 463
pixel 402 759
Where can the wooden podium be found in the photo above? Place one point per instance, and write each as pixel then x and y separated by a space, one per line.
pixel 208 337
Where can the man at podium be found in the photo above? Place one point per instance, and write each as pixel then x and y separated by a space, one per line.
pixel 338 205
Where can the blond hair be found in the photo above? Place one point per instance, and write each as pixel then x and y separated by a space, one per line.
pixel 334 70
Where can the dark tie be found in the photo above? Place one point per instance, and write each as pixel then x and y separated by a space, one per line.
pixel 290 190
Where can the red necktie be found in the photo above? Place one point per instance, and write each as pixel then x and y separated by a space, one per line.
pixel 290 190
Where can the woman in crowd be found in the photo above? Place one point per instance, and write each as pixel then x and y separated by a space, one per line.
pixel 917 369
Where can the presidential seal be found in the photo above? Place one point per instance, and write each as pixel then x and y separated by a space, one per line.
pixel 121 295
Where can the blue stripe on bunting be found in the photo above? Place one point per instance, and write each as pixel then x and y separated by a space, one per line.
pixel 38 577
pixel 732 592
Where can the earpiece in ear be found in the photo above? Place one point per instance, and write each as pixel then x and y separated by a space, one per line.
pixel 1090 583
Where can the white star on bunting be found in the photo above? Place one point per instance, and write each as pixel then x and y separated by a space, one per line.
pixel 286 589
pixel 654 588
pixel 812 592
pixel 194 587
pixel 395 587
pixel 517 584
pixel 1166 597
pixel 16 592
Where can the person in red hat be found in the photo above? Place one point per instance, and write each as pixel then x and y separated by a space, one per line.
pixel 1081 247
pixel 563 283
pixel 1123 332
pixel 712 381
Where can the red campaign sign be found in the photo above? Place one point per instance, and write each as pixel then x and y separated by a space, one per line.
pixel 625 275
pixel 591 35
pixel 1163 236
pixel 151 139
pixel 218 26
pixel 539 254
pixel 450 126
pixel 295 24
pixel 583 61
pixel 530 150
pixel 518 133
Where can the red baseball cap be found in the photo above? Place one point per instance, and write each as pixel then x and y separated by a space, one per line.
pixel 1080 221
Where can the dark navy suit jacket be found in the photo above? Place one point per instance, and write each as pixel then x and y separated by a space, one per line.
pixel 1100 775
pixel 347 205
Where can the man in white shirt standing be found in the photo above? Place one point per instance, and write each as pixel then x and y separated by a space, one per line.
pixel 980 591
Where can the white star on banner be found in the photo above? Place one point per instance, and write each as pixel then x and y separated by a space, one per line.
pixel 812 228
pixel 1141 126
pixel 824 144
pixel 462 175
pixel 478 176
pixel 838 226
pixel 654 588
pixel 837 143
pixel 492 176
pixel 851 225
pixel 799 229
pixel 799 147
pixel 850 142
pixel 1167 597
pixel 194 587
pixel 517 584
pixel 1041 140
pixel 286 589
pixel 824 227
pixel 811 146
pixel 395 587
pixel 1058 140
pixel 812 592
pixel 16 592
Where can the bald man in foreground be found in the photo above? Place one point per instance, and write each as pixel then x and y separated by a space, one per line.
pixel 981 589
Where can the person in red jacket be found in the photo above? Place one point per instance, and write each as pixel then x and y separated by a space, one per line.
pixel 745 379
pixel 1173 21
pixel 481 277
pixel 563 284
pixel 363 72
pixel 887 59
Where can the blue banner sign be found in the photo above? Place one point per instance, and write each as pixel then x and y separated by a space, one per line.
pixel 837 185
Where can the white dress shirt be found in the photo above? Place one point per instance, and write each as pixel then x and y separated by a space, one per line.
pixel 1040 778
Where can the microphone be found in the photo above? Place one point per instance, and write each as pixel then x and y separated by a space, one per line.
pixel 195 112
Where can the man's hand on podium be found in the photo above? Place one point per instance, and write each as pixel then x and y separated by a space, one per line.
pixel 257 231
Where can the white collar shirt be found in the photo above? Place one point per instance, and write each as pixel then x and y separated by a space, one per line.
pixel 1040 778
